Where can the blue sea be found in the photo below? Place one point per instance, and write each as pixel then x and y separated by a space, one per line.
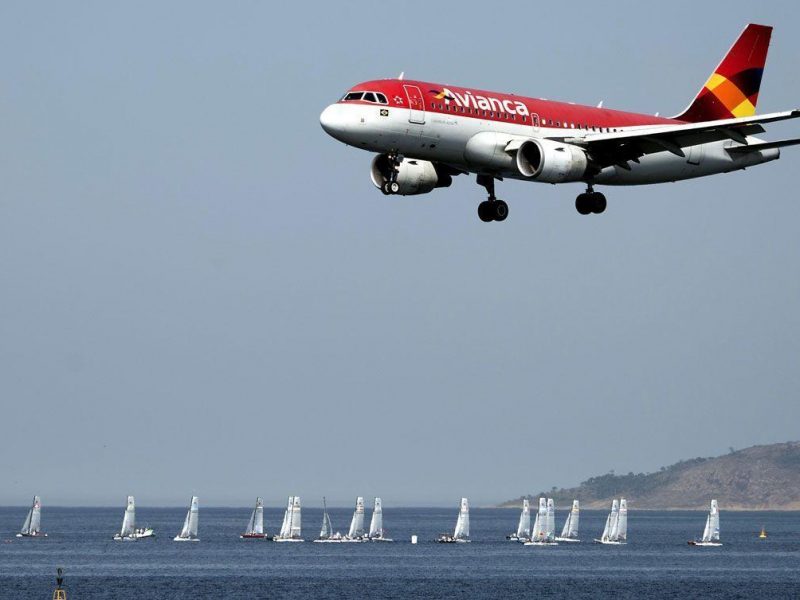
pixel 656 563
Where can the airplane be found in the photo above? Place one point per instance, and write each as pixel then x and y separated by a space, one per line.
pixel 427 133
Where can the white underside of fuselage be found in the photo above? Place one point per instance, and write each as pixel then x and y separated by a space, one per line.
pixel 443 137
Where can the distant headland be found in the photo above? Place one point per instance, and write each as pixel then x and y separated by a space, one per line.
pixel 756 478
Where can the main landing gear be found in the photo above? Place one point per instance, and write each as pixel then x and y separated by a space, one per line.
pixel 491 209
pixel 391 186
pixel 590 202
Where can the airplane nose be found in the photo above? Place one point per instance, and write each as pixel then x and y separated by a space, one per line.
pixel 332 120
pixel 328 119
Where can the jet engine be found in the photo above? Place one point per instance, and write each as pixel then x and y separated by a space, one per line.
pixel 413 176
pixel 540 159
pixel 551 162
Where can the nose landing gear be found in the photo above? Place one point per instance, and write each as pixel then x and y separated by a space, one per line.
pixel 390 186
pixel 590 202
pixel 491 209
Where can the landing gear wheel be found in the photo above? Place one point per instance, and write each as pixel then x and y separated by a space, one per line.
pixel 598 203
pixel 390 187
pixel 485 211
pixel 583 204
pixel 499 210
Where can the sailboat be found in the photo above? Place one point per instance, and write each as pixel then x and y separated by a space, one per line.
pixel 326 534
pixel 711 531
pixel 523 532
pixel 544 527
pixel 32 527
pixel 356 532
pixel 255 526
pixel 461 533
pixel 291 527
pixel 376 531
pixel 616 529
pixel 763 534
pixel 570 531
pixel 189 531
pixel 129 532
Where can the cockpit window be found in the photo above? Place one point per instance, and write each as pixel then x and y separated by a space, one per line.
pixel 374 97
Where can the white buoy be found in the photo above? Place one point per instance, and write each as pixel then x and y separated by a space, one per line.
pixel 413 539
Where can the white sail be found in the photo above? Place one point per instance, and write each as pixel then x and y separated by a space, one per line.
pixel 622 521
pixel 326 531
pixel 713 518
pixel 611 529
pixel 357 522
pixel 256 523
pixel 565 529
pixel 190 523
pixel 376 523
pixel 129 520
pixel 574 520
pixel 35 524
pixel 524 526
pixel 26 525
pixel 606 529
pixel 536 531
pixel 550 531
pixel 295 524
pixel 287 519
pixel 707 531
pixel 614 524
pixel 539 532
pixel 462 524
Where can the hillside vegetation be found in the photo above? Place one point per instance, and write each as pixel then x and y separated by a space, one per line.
pixel 759 477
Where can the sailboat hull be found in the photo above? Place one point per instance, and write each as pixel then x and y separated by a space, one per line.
pixel 287 540
pixel 380 539
pixel 704 544
pixel 134 537
pixel 563 539
pixel 31 535
pixel 610 542
pixel 541 543
pixel 178 538
pixel 253 536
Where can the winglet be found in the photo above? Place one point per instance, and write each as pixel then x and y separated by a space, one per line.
pixel 402 74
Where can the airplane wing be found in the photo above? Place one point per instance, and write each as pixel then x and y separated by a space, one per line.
pixel 619 148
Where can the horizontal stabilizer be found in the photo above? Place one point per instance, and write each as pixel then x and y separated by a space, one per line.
pixel 763 146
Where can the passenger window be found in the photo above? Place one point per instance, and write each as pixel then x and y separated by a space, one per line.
pixel 370 97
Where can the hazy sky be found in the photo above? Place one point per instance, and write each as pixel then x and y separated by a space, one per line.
pixel 202 292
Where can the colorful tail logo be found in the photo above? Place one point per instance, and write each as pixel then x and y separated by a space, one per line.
pixel 732 90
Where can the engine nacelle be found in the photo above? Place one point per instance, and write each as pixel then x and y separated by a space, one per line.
pixel 413 176
pixel 551 162
pixel 487 150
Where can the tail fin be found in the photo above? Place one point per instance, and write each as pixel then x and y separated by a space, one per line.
pixel 732 90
